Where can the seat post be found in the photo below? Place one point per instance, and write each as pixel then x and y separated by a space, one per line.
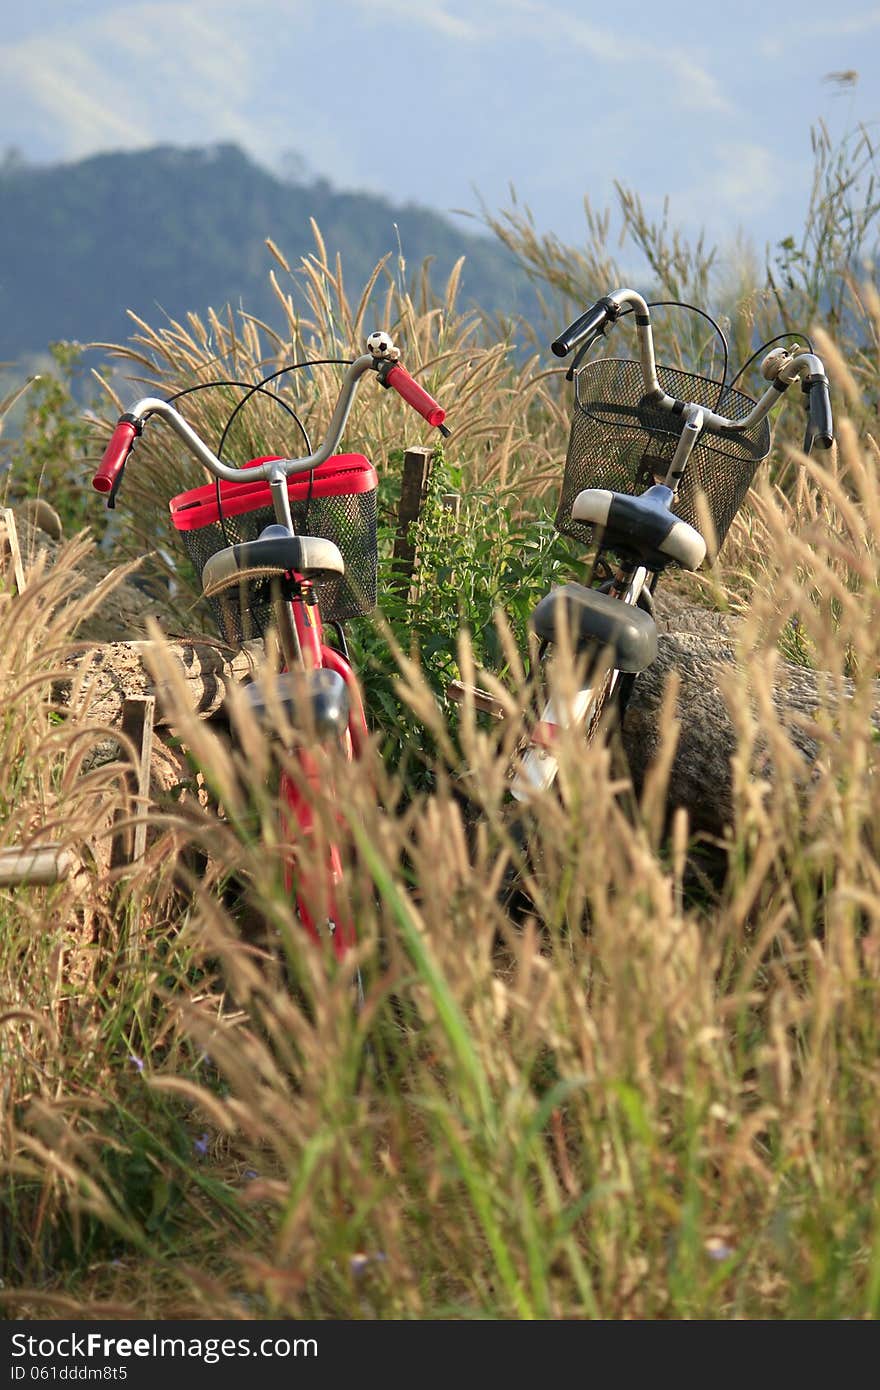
pixel 288 636
pixel 628 573
pixel 281 499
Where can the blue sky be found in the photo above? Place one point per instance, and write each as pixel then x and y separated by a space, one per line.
pixel 444 102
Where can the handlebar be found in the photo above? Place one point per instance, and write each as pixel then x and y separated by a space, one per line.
pixel 805 366
pixel 275 471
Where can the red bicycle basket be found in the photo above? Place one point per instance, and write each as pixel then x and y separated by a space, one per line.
pixel 336 500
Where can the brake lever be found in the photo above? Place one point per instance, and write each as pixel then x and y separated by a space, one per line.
pixel 583 350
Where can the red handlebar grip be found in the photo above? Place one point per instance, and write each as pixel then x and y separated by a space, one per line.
pixel 115 455
pixel 399 378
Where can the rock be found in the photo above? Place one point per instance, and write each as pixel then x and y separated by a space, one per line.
pixel 701 777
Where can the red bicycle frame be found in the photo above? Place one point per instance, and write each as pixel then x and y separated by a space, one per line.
pixel 298 804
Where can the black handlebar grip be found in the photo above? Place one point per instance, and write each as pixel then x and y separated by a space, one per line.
pixel 820 426
pixel 593 321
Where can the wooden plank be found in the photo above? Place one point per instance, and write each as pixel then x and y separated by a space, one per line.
pixel 458 692
pixel 141 710
pixel 130 841
pixel 417 464
pixel 9 546
pixel 40 865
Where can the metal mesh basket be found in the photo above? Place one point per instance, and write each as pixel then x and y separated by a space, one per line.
pixel 337 501
pixel 620 442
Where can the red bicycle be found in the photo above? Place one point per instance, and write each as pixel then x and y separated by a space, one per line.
pixel 290 544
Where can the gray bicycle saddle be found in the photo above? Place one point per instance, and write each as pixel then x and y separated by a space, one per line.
pixel 275 552
pixel 642 524
pixel 592 616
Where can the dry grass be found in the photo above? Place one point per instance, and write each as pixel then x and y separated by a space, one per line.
pixel 650 1103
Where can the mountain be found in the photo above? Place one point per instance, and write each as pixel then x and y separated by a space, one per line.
pixel 168 230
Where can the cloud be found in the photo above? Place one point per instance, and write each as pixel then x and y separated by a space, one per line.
pixel 745 180
pixel 555 95
pixel 132 75
pixel 127 75
pixel 427 13
pixel 67 92
pixel 686 83
pixel 111 74
pixel 807 31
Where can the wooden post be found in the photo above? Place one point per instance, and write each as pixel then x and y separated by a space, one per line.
pixel 413 490
pixel 38 865
pixel 130 842
pixel 9 546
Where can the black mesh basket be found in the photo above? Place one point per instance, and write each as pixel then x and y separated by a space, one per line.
pixel 621 442
pixel 339 505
